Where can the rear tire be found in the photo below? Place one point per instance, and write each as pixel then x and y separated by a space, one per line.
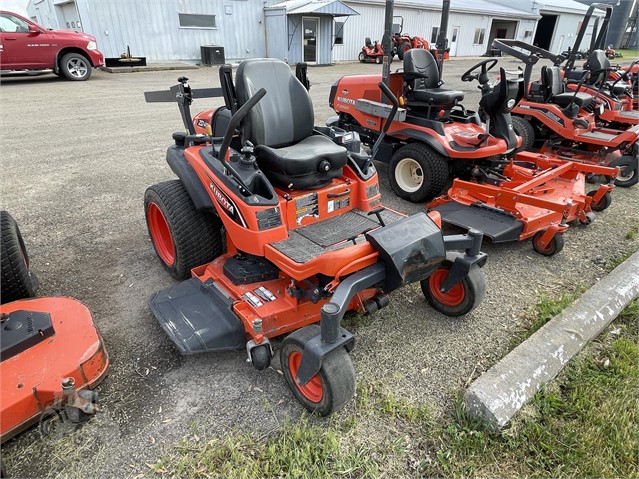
pixel 628 171
pixel 402 49
pixel 362 57
pixel 523 128
pixel 182 236
pixel 462 298
pixel 16 281
pixel 418 173
pixel 332 387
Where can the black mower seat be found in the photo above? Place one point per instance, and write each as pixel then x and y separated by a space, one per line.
pixel 423 81
pixel 290 165
pixel 281 127
pixel 555 88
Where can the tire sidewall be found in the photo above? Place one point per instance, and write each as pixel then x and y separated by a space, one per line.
pixel 64 66
pixel 431 186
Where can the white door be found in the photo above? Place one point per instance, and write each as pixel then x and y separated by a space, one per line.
pixel 310 37
pixel 453 42
pixel 70 19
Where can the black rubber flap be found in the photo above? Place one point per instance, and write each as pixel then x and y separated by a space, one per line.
pixel 411 249
pixel 497 224
pixel 198 317
pixel 23 329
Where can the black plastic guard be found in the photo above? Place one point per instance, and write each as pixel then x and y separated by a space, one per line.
pixel 411 249
pixel 22 330
pixel 498 225
pixel 198 317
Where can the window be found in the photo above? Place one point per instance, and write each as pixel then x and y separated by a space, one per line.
pixel 434 34
pixel 528 33
pixel 9 23
pixel 339 33
pixel 479 36
pixel 191 20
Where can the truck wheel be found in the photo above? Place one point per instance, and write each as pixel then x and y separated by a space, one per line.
pixel 334 384
pixel 16 281
pixel 418 173
pixel 462 298
pixel 76 67
pixel 182 236
pixel 523 128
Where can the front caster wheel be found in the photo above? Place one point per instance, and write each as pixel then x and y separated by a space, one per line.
pixel 334 384
pixel 261 357
pixel 554 246
pixel 460 299
pixel 603 203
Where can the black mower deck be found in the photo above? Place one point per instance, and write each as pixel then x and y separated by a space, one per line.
pixel 500 226
pixel 309 242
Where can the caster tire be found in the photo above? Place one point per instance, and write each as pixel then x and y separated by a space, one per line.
pixel 603 203
pixel 590 218
pixel 331 388
pixel 462 298
pixel 182 236
pixel 261 357
pixel 554 246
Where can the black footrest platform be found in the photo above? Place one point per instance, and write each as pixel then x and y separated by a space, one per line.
pixel 198 317
pixel 498 225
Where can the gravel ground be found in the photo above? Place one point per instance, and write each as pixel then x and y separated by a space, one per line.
pixel 76 159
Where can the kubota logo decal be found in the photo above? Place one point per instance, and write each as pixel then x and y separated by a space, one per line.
pixel 348 101
pixel 222 199
pixel 227 204
pixel 202 123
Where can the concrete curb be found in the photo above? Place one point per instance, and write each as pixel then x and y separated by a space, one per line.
pixel 500 392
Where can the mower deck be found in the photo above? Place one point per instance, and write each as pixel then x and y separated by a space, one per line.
pixel 532 200
pixel 34 365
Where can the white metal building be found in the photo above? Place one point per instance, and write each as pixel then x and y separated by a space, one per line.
pixel 165 30
pixel 472 24
pixel 560 20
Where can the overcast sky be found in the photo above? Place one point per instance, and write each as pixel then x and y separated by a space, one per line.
pixel 17 6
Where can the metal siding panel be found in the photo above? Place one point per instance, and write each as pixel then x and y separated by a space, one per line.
pixel 151 28
pixel 275 22
pixel 326 40
pixel 295 50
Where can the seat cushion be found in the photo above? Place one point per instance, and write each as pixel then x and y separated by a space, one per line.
pixel 582 100
pixel 301 165
pixel 439 96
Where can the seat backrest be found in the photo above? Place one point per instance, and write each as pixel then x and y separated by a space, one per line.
pixel 553 80
pixel 367 42
pixel 597 60
pixel 418 60
pixel 285 115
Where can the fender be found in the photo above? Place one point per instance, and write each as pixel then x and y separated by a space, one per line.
pixel 424 138
pixel 192 184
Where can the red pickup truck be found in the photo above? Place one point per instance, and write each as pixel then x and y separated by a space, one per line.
pixel 26 46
